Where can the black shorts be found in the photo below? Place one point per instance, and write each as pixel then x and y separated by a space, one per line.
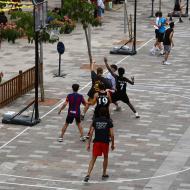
pixel 160 37
pixel 120 97
pixel 70 119
pixel 156 33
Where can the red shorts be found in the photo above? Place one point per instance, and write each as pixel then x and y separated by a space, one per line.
pixel 99 148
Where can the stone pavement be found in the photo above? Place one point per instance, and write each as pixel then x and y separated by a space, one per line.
pixel 151 153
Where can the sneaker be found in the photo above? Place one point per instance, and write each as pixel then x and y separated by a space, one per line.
pixel 86 178
pixel 86 137
pixel 166 63
pixel 152 51
pixel 60 139
pixel 157 49
pixel 137 115
pixel 104 177
pixel 162 52
pixel 83 139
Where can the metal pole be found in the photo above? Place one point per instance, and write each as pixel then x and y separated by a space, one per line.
pixel 125 17
pixel 62 4
pixel 187 8
pixel 36 75
pixel 160 3
pixel 135 19
pixel 152 11
pixel 36 67
pixel 59 73
pixel 89 32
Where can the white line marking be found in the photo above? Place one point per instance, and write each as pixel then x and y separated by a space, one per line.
pixel 1 147
pixel 37 186
pixel 100 182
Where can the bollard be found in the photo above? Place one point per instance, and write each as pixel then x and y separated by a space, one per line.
pixel 170 17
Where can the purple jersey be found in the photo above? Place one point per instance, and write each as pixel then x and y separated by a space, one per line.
pixel 75 101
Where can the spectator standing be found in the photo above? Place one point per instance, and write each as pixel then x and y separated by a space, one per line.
pixel 168 42
pixel 3 18
pixel 101 7
pixel 162 28
pixel 155 47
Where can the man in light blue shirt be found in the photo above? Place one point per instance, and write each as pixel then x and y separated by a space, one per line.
pixel 161 29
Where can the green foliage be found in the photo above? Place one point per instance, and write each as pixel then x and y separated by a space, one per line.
pixel 25 21
pixel 81 11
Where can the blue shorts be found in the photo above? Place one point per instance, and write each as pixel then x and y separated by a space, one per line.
pixel 100 12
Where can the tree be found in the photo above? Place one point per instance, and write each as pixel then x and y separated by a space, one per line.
pixel 82 11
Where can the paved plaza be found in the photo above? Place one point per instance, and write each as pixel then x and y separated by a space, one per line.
pixel 152 153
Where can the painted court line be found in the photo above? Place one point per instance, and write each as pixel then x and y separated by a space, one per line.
pixel 14 138
pixel 36 186
pixel 120 180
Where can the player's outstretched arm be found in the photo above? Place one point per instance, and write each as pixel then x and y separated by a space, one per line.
pixel 108 67
pixel 132 81
pixel 92 63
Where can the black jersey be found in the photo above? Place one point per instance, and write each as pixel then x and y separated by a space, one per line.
pixel 121 84
pixel 102 126
pixel 96 80
pixel 166 40
pixel 101 101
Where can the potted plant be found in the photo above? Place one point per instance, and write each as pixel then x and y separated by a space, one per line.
pixel 10 32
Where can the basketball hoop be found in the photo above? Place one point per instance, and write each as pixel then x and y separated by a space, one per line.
pixel 54 34
pixel 36 2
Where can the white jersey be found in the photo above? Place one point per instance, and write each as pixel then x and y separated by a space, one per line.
pixel 100 3
pixel 112 79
